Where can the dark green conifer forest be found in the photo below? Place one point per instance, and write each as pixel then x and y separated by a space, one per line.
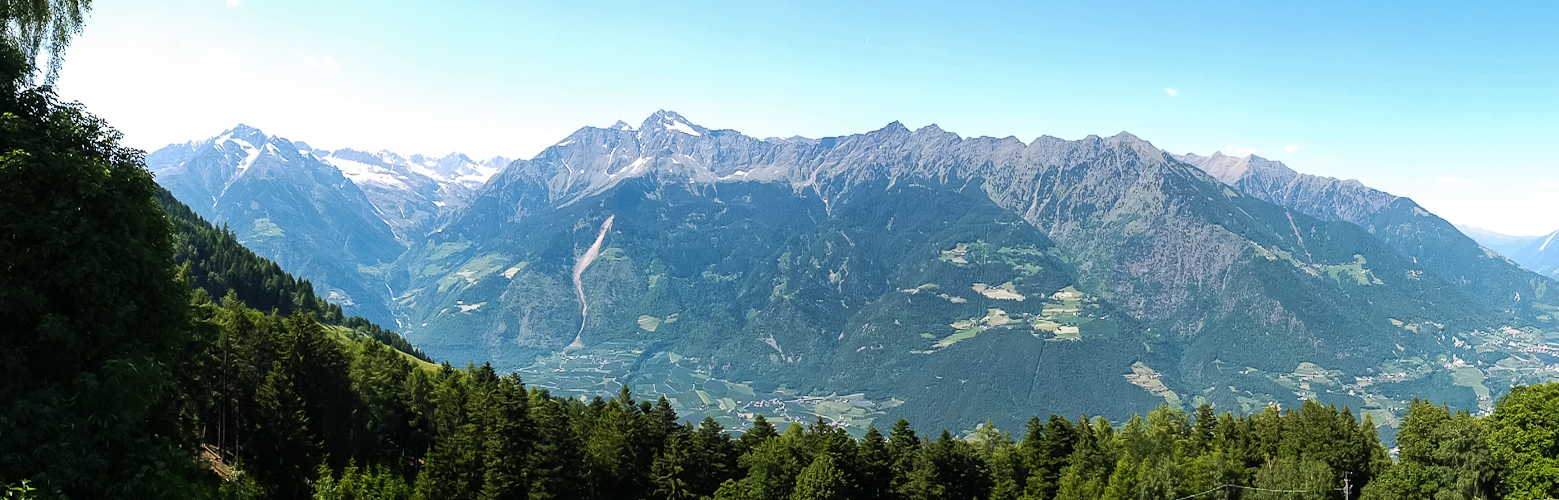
pixel 145 354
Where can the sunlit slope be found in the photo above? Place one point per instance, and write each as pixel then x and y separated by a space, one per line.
pixel 1431 242
pixel 289 207
pixel 940 277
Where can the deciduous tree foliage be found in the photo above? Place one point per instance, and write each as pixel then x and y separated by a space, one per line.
pixel 91 312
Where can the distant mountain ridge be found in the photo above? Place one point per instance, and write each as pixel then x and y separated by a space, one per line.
pixel 820 256
pixel 335 217
pixel 1320 197
pixel 410 192
pixel 1537 253
pixel 1541 255
pixel 1422 236
pixel 922 274
pixel 1502 243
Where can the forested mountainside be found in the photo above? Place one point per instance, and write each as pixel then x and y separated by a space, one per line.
pixel 229 402
pixel 275 189
pixel 215 263
pixel 921 274
pixel 120 382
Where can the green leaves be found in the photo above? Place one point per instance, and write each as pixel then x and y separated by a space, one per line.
pixel 822 480
pixel 1523 434
pixel 91 314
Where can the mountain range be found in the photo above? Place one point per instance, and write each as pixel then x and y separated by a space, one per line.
pixel 1538 253
pixel 336 217
pixel 893 273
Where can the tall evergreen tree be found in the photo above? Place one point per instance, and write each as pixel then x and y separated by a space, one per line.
pixel 672 472
pixel 556 462
pixel 713 456
pixel 760 432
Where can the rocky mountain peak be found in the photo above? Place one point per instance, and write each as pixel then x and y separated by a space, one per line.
pixel 670 121
pixel 891 129
pixel 246 133
pixel 1227 169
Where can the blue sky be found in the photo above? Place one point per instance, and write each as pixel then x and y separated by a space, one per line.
pixel 1453 104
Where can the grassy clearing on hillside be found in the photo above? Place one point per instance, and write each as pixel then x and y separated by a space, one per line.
pixel 1354 270
pixel 442 251
pixel 264 228
pixel 1147 378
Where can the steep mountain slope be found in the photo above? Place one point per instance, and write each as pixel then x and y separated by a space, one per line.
pixel 411 192
pixel 218 264
pixel 337 218
pixel 1541 255
pixel 1420 235
pixel 1505 244
pixel 934 276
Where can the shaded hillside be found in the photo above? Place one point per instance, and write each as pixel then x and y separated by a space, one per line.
pixel 218 264
pixel 288 206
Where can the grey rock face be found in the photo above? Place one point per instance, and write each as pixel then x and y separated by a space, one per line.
pixel 1430 241
pixel 1087 195
pixel 1324 198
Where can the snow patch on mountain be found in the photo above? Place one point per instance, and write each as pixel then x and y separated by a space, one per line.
pixel 677 125
pixel 362 173
pixel 251 154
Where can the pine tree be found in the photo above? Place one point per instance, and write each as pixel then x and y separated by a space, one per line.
pixel 284 447
pixel 672 471
pixel 772 467
pixel 760 432
pixel 713 456
pixel 556 462
pixel 903 449
pixel 501 409
pixel 611 456
pixel 875 479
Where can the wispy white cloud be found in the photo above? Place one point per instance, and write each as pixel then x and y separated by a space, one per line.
pixel 325 63
pixel 232 3
pixel 1548 184
pixel 1171 92
pixel 1451 180
pixel 1291 147
pixel 1233 150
